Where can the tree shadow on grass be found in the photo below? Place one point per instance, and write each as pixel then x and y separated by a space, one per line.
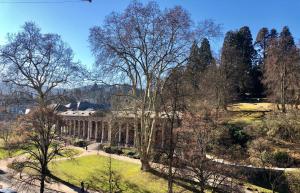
pixel 131 187
pixel 68 184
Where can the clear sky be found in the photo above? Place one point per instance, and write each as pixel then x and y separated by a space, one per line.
pixel 72 19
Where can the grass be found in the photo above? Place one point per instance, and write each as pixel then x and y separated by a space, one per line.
pixel 293 179
pixel 4 153
pixel 132 179
pixel 248 113
pixel 255 107
pixel 254 188
pixel 69 152
pixel 246 118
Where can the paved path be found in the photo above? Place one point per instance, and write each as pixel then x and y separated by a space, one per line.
pixel 8 178
pixel 102 153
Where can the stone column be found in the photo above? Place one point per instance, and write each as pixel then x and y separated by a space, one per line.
pixel 120 134
pixel 96 130
pixel 78 129
pixel 127 135
pixel 109 131
pixel 68 127
pixel 61 130
pixel 84 129
pixel 81 129
pixel 74 127
pixel 102 132
pixel 89 130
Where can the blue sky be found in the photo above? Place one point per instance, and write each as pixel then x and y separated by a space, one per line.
pixel 73 20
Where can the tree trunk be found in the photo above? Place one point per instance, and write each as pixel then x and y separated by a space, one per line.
pixel 145 164
pixel 170 176
pixel 42 187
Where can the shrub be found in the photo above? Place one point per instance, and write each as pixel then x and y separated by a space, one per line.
pixel 112 150
pixel 284 126
pixel 281 159
pixel 81 143
pixel 132 153
pixel 238 135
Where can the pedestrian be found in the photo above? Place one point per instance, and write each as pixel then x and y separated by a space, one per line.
pixel 82 186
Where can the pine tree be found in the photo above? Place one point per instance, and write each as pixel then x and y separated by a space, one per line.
pixel 261 43
pixel 246 48
pixel 228 67
pixel 205 55
pixel 237 57
pixel 193 65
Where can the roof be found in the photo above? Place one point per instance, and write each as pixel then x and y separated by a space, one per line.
pixel 83 105
pixel 123 114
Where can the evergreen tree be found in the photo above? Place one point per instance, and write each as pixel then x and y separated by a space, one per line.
pixel 228 67
pixel 205 55
pixel 248 53
pixel 193 65
pixel 273 33
pixel 237 57
pixel 261 43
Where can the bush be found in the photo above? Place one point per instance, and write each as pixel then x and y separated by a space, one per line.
pixel 112 150
pixel 281 159
pixel 238 135
pixel 284 126
pixel 132 153
pixel 81 143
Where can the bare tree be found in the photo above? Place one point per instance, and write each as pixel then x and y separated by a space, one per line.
pixel 140 46
pixel 261 156
pixel 41 144
pixel 173 99
pixel 8 135
pixel 197 140
pixel 38 63
pixel 281 68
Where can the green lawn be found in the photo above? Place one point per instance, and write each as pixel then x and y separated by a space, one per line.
pixel 88 168
pixel 255 107
pixel 4 153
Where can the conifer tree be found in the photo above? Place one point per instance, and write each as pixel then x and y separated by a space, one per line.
pixel 247 52
pixel 199 61
pixel 193 65
pixel 205 55
pixel 237 58
pixel 261 43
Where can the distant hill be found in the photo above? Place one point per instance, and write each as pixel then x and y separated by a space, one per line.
pixel 99 94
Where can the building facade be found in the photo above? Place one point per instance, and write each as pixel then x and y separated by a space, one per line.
pixel 106 127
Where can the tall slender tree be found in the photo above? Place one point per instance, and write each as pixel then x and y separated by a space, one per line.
pixel 237 58
pixel 246 48
pixel 205 55
pixel 193 65
pixel 199 61
pixel 228 68
pixel 257 71
pixel 282 69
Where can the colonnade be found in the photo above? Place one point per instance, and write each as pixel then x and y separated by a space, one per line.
pixel 106 131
